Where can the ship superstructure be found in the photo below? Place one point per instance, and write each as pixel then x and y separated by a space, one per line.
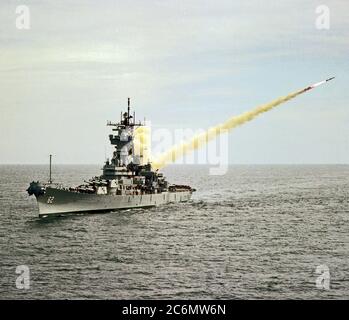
pixel 127 181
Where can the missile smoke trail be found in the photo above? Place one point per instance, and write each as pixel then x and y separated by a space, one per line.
pixel 199 140
pixel 142 143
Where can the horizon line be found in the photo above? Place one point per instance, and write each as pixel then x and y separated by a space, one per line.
pixel 176 164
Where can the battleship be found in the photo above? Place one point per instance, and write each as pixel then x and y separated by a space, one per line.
pixel 127 181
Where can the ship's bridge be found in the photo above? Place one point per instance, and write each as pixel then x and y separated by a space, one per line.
pixel 112 172
pixel 123 137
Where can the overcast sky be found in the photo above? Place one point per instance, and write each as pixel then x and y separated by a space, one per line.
pixel 185 64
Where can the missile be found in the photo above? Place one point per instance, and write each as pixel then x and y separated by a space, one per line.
pixel 317 84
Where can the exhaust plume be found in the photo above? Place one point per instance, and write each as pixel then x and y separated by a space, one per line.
pixel 142 143
pixel 200 140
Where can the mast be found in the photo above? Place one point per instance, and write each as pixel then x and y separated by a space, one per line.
pixel 50 178
pixel 128 111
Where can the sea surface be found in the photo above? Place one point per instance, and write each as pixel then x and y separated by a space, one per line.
pixel 257 232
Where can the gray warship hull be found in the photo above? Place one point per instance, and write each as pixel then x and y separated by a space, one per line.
pixel 128 179
pixel 57 201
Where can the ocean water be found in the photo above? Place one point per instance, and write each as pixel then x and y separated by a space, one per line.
pixel 258 232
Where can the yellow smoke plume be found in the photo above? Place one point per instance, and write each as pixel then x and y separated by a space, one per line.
pixel 142 143
pixel 200 140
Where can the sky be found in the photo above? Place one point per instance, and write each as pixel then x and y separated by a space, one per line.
pixel 185 64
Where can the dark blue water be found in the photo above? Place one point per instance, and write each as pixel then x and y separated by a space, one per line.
pixel 256 232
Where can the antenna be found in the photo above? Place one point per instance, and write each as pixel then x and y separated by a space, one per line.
pixel 128 110
pixel 50 179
